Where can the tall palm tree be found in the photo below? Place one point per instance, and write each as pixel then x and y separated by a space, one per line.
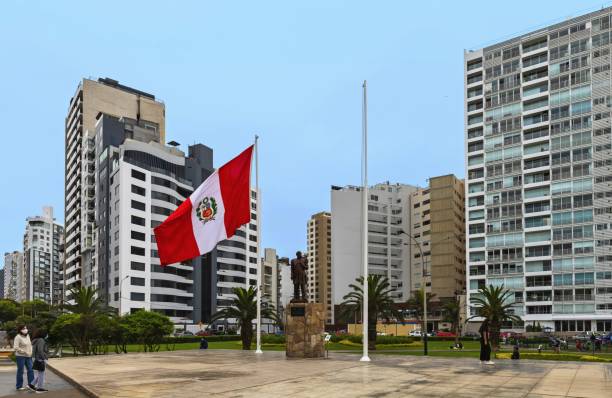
pixel 494 304
pixel 244 310
pixel 415 303
pixel 451 310
pixel 380 303
pixel 86 302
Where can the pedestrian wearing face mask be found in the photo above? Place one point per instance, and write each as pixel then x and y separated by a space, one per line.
pixel 23 356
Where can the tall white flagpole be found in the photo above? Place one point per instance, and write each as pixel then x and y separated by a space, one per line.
pixel 259 267
pixel 364 222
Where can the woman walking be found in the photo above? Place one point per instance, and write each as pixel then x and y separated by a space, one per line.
pixel 40 354
pixel 485 343
pixel 23 356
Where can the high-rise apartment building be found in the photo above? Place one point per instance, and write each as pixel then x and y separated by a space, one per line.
pixel 537 122
pixel 92 98
pixel 404 222
pixel 389 254
pixel 139 182
pixel 14 276
pixel 447 237
pixel 43 257
pixel 318 230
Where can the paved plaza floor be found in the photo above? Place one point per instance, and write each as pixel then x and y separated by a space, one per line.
pixel 232 373
pixel 58 387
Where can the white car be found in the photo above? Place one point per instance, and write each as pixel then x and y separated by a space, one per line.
pixel 415 333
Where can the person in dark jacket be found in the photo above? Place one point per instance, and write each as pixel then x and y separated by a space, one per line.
pixel 485 343
pixel 40 354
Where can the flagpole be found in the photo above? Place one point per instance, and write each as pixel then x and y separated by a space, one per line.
pixel 364 222
pixel 259 267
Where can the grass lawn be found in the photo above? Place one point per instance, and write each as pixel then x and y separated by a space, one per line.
pixel 471 349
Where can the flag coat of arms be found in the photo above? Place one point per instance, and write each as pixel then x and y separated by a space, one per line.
pixel 212 213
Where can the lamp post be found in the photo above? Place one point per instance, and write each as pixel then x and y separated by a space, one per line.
pixel 121 292
pixel 424 290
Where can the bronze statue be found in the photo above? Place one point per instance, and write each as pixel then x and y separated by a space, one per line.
pixel 299 266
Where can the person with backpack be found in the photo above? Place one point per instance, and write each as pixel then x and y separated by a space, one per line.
pixel 40 354
pixel 23 357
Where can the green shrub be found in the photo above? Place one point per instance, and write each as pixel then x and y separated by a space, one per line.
pixel 272 339
pixel 196 339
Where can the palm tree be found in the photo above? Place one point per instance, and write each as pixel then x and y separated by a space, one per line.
pixel 244 310
pixel 451 311
pixel 86 302
pixel 494 304
pixel 89 312
pixel 380 303
pixel 415 303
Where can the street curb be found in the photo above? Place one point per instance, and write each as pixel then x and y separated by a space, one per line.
pixel 73 382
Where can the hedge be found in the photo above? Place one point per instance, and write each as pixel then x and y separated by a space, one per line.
pixel 555 357
pixel 196 339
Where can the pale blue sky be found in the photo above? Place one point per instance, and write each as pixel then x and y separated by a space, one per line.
pixel 290 71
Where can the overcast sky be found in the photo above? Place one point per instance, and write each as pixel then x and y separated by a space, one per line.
pixel 289 71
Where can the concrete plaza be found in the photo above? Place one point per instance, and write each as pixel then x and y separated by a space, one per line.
pixel 58 387
pixel 231 373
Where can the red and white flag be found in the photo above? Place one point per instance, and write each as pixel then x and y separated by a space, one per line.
pixel 211 214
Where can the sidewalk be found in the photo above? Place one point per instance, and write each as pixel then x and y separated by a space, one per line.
pixel 233 373
pixel 58 388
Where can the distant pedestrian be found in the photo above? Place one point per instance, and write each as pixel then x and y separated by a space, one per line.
pixel 557 346
pixel 539 348
pixel 23 356
pixel 40 354
pixel 203 344
pixel 485 343
pixel 515 352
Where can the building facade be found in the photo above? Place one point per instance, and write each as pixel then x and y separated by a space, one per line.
pixel 447 237
pixel 43 257
pixel 14 276
pixel 319 239
pixel 92 98
pixel 389 253
pixel 538 151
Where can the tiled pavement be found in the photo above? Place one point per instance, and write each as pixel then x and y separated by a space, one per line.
pixel 234 373
pixel 58 388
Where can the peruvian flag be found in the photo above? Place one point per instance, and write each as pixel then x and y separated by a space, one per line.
pixel 211 214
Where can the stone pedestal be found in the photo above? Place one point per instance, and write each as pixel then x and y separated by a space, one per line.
pixel 304 328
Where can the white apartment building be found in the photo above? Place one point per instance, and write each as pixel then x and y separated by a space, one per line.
pixel 141 197
pixel 43 258
pixel 389 251
pixel 538 156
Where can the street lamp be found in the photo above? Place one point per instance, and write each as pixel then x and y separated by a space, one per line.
pixel 401 231
pixel 121 292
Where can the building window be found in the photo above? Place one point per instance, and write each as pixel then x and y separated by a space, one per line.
pixel 138 235
pixel 139 175
pixel 137 296
pixel 139 251
pixel 138 221
pixel 134 281
pixel 138 205
pixel 138 190
pixel 137 266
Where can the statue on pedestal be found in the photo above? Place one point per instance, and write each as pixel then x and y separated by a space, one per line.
pixel 299 266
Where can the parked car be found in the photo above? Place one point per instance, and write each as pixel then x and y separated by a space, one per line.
pixel 183 333
pixel 415 333
pixel 445 334
pixel 472 335
pixel 203 333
